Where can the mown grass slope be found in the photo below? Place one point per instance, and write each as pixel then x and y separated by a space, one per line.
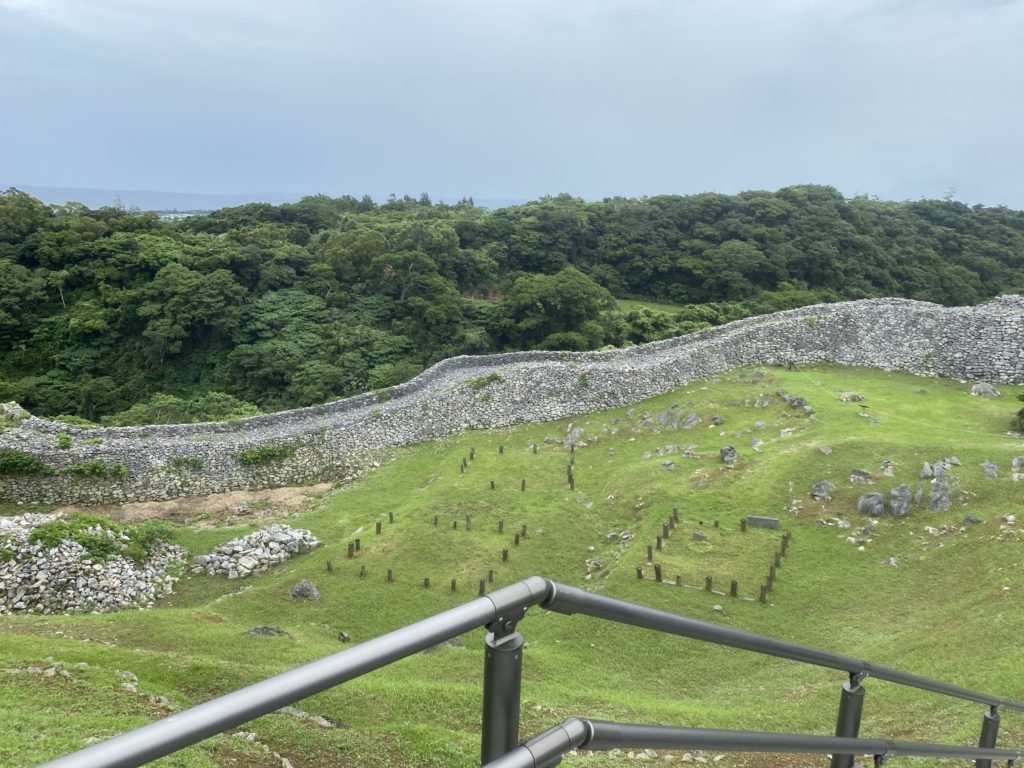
pixel 945 602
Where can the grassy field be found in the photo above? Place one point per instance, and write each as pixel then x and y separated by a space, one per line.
pixel 905 594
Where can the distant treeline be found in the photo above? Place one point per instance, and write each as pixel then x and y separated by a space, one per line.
pixel 114 315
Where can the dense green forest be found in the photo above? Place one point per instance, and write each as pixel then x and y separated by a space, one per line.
pixel 114 316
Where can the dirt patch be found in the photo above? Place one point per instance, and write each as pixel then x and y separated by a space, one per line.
pixel 220 506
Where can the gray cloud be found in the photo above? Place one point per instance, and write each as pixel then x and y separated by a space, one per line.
pixel 515 98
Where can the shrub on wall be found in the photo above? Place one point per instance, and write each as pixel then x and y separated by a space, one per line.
pixel 264 454
pixel 14 462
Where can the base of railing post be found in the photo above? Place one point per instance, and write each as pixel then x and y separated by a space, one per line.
pixel 503 675
pixel 989 732
pixel 851 704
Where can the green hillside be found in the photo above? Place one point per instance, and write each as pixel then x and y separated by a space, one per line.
pixel 929 593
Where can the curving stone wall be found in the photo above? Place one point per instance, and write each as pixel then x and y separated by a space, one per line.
pixel 336 440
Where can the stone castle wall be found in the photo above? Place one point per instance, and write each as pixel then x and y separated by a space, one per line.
pixel 336 440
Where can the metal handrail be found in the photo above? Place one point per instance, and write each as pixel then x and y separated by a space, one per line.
pixel 549 746
pixel 500 612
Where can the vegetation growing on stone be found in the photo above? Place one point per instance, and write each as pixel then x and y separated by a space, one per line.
pixel 101 537
pixel 479 382
pixel 266 454
pixel 14 462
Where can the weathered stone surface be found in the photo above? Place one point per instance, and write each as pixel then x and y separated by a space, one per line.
pixel 984 389
pixel 65 579
pixel 255 553
pixel 760 521
pixel 340 439
pixel 306 590
pixel 859 476
pixel 871 504
pixel 727 454
pixel 899 500
pixel 821 490
pixel 940 493
pixel 989 468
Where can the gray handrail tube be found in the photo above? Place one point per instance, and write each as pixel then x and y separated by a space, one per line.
pixel 192 725
pixel 570 600
pixel 547 748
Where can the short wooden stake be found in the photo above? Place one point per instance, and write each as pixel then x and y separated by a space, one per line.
pixel 743 525
pixel 501 526
pixel 391 517
pixel 650 553
pixel 659 543
pixel 639 572
pixel 492 485
pixel 453 585
pixel 462 469
pixel 778 560
pixel 501 449
pixel 764 594
pixel 426 583
pixel 455 525
pixel 435 521
pixel 358 545
pixel 679 581
pixel 504 555
pixel 469 523
pixel 472 453
pixel 391 576
pixel 534 447
pixel 516 540
pixel 734 588
pixel 572 483
pixel 522 531
pixel 707 583
pixel 490 576
pixel 657 572
pixel 665 531
pixel 671 524
pixel 483 588
pixel 351 550
pixel 523 487
pixel 716 523
pixel 330 567
pixel 362 571
pixel 378 526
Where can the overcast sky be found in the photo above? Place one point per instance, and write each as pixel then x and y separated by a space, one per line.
pixel 901 99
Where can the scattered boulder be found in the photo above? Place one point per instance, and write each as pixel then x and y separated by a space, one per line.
pixel 822 490
pixel 990 468
pixel 899 500
pixel 268 632
pixel 691 421
pixel 825 450
pixel 871 504
pixel 940 493
pixel 756 443
pixel 758 425
pixel 716 420
pixel 728 454
pixel 887 467
pixel 698 536
pixel 860 476
pixel 851 397
pixel 305 590
pixel 983 389
pixel 973 519
pixel 926 471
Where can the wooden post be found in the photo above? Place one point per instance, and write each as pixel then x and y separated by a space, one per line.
pixel 743 525
pixel 572 483
pixel 523 488
pixel 501 449
pixel 464 462
pixel 764 594
pixel 492 485
pixel 469 523
pixel 778 560
pixel 378 526
pixel 671 524
pixel 351 550
pixel 462 468
pixel 771 577
pixel 639 572
pixel 679 581
pixel 435 521
pixel 675 513
pixel 490 576
pixel 659 543
pixel 483 588
pixel 516 540
pixel 734 588
pixel 453 585
pixel 504 555
pixel 426 583
pixel 330 567
pixel 657 572
pixel 391 517
pixel 522 531
pixel 362 571
pixel 391 576
pixel 716 523
pixel 358 545
pixel 707 583
pixel 472 453
pixel 501 526
pixel 665 531
pixel 650 553
pixel 534 447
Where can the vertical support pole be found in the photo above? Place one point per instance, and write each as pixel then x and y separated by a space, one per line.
pixel 503 675
pixel 989 731
pixel 851 704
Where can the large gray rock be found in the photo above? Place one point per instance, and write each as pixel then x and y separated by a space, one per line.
pixel 872 504
pixel 306 590
pixel 899 500
pixel 984 389
pixel 821 490
pixel 728 454
pixel 940 493
pixel 691 421
pixel 990 468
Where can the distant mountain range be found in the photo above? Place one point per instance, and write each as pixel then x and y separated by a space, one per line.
pixel 150 200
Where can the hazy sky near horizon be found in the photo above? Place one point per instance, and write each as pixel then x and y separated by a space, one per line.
pixel 515 98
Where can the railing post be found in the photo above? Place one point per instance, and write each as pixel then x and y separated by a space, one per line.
pixel 851 703
pixel 503 674
pixel 989 731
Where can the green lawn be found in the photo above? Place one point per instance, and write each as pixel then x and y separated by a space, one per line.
pixel 950 607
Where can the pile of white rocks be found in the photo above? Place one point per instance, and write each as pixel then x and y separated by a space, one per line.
pixel 256 552
pixel 66 579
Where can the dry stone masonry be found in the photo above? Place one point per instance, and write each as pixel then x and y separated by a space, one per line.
pixel 255 552
pixel 339 439
pixel 64 579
